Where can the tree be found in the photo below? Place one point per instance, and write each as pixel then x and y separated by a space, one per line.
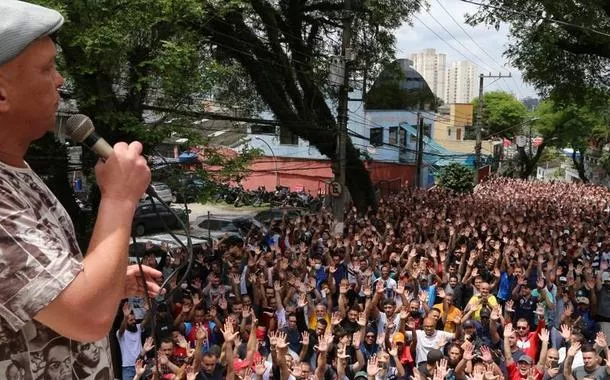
pixel 503 114
pixel 570 125
pixel 456 177
pixel 284 47
pixel 567 59
pixel 121 58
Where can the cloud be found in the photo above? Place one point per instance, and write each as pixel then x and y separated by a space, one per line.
pixel 456 42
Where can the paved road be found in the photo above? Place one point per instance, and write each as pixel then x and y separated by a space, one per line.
pixel 220 209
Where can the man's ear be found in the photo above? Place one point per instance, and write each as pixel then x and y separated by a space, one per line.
pixel 4 103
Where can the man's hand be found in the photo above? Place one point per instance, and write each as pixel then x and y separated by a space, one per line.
pixel 134 286
pixel 124 176
pixel 126 309
pixel 574 348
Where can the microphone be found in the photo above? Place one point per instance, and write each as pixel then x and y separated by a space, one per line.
pixel 81 130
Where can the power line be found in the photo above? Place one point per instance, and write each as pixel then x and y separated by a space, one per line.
pixel 456 40
pixel 539 17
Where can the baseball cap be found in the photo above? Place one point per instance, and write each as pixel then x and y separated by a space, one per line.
pixel 584 300
pixel 240 364
pixel 23 23
pixel 361 374
pixel 525 358
pixel 434 355
pixel 468 323
pixel 485 313
pixel 398 337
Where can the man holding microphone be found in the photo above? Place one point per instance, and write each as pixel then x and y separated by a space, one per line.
pixel 48 291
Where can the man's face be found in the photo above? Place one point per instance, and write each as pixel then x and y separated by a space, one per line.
pixel 522 328
pixel 590 360
pixel 429 327
pixel 59 363
pixel 524 368
pixel 215 281
pixel 29 85
pixel 414 307
pixel 320 311
pixel 454 354
pixel 385 272
pixel 89 354
pixel 352 316
pixel 484 289
pixel 199 316
pixel 292 322
pixel 389 309
pixel 434 314
pixel 237 308
pixel 320 329
pixel 167 348
pixel 209 364
pixel 247 302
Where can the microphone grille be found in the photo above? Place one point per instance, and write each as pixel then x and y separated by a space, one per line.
pixel 78 127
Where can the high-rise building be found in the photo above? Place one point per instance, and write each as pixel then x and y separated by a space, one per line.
pixel 461 82
pixel 432 66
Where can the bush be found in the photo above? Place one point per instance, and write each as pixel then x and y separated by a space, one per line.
pixel 456 177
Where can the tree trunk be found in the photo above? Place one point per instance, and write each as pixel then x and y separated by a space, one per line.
pixel 579 164
pixel 529 164
pixel 288 86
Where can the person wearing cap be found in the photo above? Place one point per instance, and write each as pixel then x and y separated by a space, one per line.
pixel 524 367
pixel 41 261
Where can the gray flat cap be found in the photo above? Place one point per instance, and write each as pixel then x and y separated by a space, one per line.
pixel 21 24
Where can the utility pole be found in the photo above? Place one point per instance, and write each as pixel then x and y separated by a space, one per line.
pixel 479 121
pixel 420 151
pixel 339 203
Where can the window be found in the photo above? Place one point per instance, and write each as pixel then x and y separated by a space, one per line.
pixel 376 137
pixel 403 137
pixel 449 132
pixel 260 129
pixel 287 137
pixel 393 136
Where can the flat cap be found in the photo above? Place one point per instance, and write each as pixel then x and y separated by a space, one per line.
pixel 21 24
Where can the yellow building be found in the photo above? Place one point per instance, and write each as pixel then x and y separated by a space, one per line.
pixel 450 126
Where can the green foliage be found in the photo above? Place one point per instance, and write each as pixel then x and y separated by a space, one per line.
pixel 456 177
pixel 604 161
pixel 503 114
pixel 558 59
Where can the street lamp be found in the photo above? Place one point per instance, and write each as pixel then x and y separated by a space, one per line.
pixel 277 178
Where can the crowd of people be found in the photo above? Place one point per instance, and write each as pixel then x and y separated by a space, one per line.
pixel 509 282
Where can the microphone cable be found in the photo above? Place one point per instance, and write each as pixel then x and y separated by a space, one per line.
pixel 153 303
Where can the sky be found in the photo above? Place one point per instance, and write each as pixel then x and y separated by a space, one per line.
pixel 412 39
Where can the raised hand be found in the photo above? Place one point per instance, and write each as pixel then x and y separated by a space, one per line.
pixel 566 332
pixel 126 309
pixel 362 319
pixel 544 335
pixel 148 344
pixel 305 338
pixel 201 333
pixel 372 368
pixel 190 373
pixel 356 338
pixel 140 368
pixel 336 319
pixel 468 350
pixel 508 330
pixel 393 350
pixel 508 307
pixel 574 348
pixel 601 340
pixel 281 341
pixel 486 354
pixel 496 313
pixel 259 366
pixel 229 333
pixel 182 342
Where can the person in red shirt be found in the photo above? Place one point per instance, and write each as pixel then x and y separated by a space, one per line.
pixel 525 368
pixel 528 340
